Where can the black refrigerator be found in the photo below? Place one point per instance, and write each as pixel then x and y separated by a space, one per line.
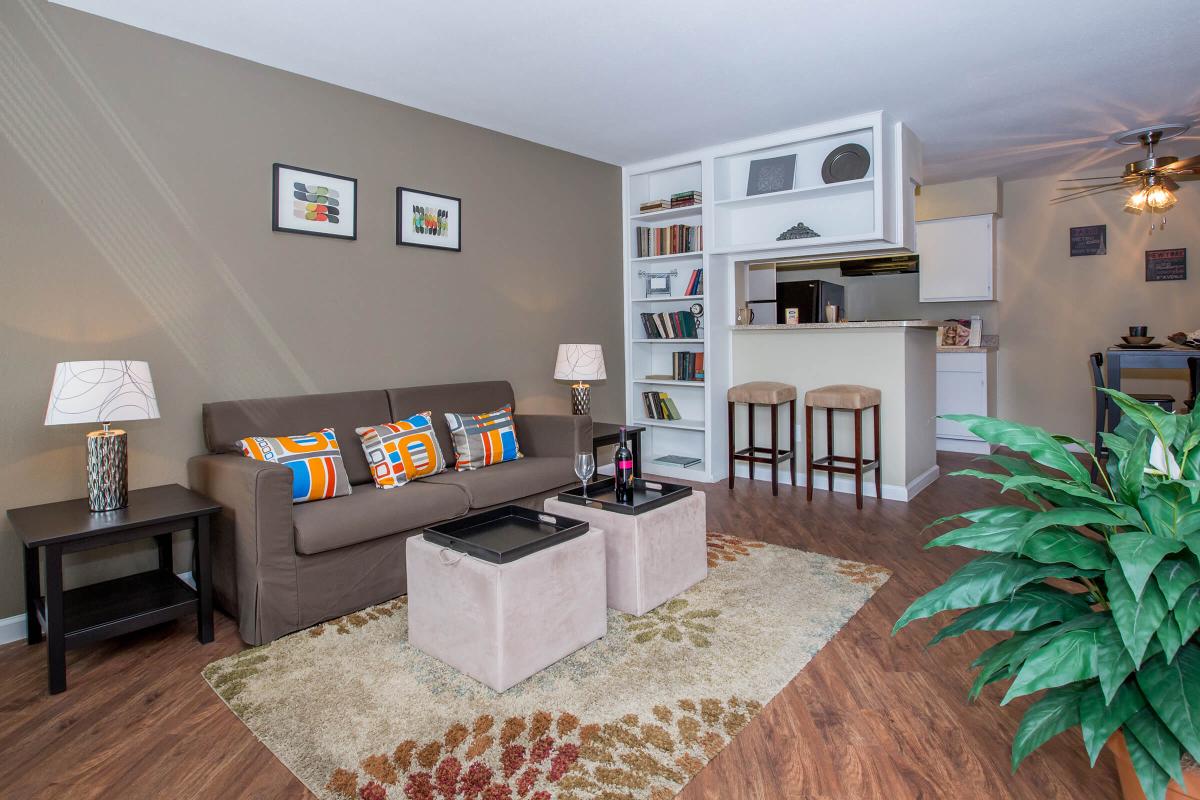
pixel 810 297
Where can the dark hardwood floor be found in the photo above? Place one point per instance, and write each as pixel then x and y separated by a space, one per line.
pixel 870 716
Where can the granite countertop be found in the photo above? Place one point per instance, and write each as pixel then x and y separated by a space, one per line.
pixel 818 326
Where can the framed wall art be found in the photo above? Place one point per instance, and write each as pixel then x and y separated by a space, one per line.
pixel 1089 240
pixel 1166 265
pixel 312 202
pixel 771 175
pixel 425 219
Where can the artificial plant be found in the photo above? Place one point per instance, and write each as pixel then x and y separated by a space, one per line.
pixel 1098 583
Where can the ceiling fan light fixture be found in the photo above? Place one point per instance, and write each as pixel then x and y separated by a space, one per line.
pixel 1136 202
pixel 1159 198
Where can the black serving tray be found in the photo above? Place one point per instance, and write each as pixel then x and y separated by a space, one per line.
pixel 503 535
pixel 646 495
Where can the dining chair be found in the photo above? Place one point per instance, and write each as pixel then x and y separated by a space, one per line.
pixel 1193 379
pixel 1163 401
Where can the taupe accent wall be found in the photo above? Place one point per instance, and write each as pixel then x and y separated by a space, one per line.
pixel 135 223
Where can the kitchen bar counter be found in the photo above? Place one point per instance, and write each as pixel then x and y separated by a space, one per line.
pixel 826 326
pixel 896 357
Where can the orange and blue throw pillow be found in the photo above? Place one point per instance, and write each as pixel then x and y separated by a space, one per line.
pixel 481 440
pixel 314 459
pixel 401 451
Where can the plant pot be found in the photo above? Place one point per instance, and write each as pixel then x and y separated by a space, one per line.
pixel 1131 789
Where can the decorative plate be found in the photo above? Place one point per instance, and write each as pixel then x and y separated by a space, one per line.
pixel 846 163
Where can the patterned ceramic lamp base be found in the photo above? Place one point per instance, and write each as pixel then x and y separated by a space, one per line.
pixel 581 399
pixel 108 474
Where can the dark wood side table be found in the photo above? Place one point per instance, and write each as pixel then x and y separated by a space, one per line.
pixel 111 608
pixel 606 433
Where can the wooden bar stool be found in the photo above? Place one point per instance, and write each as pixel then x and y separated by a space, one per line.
pixel 763 393
pixel 842 397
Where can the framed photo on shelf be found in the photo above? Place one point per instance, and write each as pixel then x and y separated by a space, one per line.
pixel 426 219
pixel 313 202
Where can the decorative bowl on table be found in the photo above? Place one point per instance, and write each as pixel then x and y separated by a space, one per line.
pixel 1137 339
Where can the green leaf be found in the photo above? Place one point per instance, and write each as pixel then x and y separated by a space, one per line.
pixel 1150 775
pixel 1053 713
pixel 1068 658
pixel 1187 612
pixel 1068 546
pixel 1144 415
pixel 1139 553
pixel 985 580
pixel 993 661
pixel 1061 489
pixel 1118 446
pixel 1169 637
pixel 1048 547
pixel 1033 441
pixel 1159 742
pixel 1131 468
pixel 1137 620
pixel 1004 660
pixel 1099 719
pixel 1169 510
pixel 1113 664
pixel 1029 608
pixel 1174 576
pixel 1173 690
pixel 991 514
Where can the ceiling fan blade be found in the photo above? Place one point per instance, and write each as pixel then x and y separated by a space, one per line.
pixel 1095 186
pixel 1096 178
pixel 1086 193
pixel 1185 163
pixel 1181 174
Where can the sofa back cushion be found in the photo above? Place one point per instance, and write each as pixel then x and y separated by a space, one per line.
pixel 459 398
pixel 228 421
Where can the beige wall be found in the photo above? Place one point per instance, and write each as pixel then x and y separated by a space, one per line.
pixel 136 224
pixel 1053 310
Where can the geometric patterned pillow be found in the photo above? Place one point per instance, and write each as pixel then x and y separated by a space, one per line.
pixel 401 451
pixel 483 439
pixel 314 459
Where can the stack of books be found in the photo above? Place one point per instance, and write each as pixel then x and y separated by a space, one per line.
pixel 670 325
pixel 669 239
pixel 654 205
pixel 687 366
pixel 695 284
pixel 688 198
pixel 677 461
pixel 660 406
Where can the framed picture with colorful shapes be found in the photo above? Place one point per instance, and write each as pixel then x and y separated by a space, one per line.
pixel 312 202
pixel 425 219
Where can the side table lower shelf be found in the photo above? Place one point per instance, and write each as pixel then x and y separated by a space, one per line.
pixel 122 605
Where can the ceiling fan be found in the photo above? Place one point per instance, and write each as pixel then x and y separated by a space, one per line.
pixel 1152 179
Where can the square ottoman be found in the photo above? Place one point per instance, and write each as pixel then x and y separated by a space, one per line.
pixel 501 623
pixel 651 557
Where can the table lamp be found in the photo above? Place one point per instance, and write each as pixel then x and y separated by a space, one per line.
pixel 580 362
pixel 104 392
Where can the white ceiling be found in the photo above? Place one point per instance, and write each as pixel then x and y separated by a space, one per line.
pixel 1007 87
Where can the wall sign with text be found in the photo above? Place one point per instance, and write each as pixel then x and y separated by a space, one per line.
pixel 1166 265
pixel 1089 240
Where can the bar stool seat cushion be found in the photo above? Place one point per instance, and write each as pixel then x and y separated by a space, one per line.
pixel 767 393
pixel 842 395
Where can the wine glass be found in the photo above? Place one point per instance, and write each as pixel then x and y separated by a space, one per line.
pixel 585 467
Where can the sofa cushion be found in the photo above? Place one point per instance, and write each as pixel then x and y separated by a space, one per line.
pixel 462 398
pixel 314 459
pixel 370 513
pixel 481 440
pixel 510 481
pixel 228 421
pixel 402 451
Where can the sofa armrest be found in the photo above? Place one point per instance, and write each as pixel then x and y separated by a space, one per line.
pixel 253 543
pixel 554 434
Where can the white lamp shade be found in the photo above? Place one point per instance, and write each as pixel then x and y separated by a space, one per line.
pixel 579 362
pixel 101 391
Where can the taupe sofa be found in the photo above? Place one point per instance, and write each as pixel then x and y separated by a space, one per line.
pixel 279 567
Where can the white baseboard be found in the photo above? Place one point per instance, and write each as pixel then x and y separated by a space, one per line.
pixel 12 629
pixel 843 483
pixel 977 446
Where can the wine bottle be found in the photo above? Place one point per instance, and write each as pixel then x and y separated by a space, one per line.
pixel 623 472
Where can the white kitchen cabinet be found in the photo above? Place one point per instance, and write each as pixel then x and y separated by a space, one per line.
pixel 966 384
pixel 958 258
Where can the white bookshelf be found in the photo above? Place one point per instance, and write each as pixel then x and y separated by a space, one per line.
pixel 873 214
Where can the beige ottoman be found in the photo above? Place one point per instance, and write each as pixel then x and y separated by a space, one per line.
pixel 651 557
pixel 501 623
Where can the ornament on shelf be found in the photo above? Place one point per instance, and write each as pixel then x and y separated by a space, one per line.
pixel 797 231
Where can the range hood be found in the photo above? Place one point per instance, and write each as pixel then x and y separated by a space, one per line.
pixel 858 267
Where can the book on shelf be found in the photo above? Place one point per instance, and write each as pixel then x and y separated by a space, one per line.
pixel 689 198
pixel 670 325
pixel 659 405
pixel 672 460
pixel 687 366
pixel 668 240
pixel 654 205
pixel 695 284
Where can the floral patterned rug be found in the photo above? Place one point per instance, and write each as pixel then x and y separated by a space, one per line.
pixel 358 714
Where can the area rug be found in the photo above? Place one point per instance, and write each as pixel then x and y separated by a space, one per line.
pixel 355 712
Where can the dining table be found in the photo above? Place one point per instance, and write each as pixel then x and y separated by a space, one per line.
pixel 1117 358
